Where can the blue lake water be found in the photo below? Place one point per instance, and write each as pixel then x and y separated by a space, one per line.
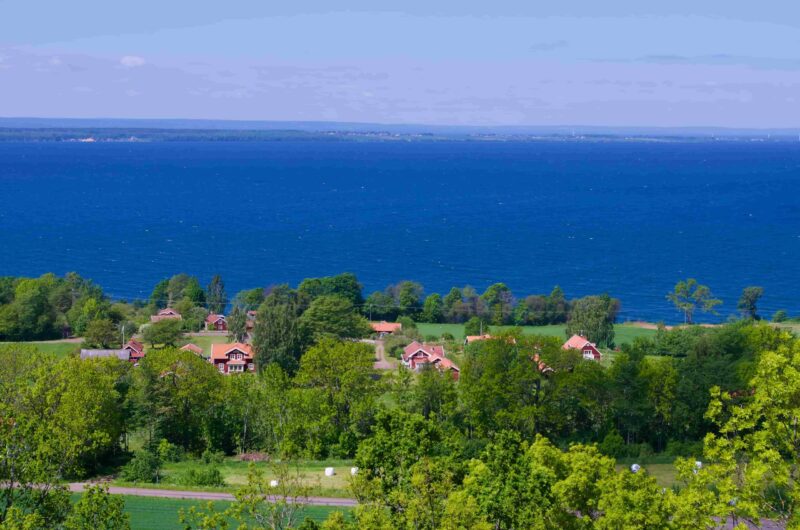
pixel 627 218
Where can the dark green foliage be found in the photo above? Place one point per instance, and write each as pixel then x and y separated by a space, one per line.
pixel 203 476
pixel 344 285
pixel 748 302
pixel 215 295
pixel 331 315
pixel 476 326
pixel 280 336
pixel 380 306
pixel 102 333
pixel 780 316
pixel 237 324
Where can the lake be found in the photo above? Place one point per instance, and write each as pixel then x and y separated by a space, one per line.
pixel 627 218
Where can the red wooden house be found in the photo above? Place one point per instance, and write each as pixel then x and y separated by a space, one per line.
pixel 216 323
pixel 588 349
pixel 135 349
pixel 234 358
pixel 418 355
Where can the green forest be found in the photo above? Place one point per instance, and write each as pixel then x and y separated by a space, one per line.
pixel 530 435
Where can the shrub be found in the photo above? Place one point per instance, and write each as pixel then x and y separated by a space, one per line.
pixel 212 457
pixel 780 316
pixel 143 467
pixel 448 336
pixel 209 476
pixel 613 445
pixel 169 452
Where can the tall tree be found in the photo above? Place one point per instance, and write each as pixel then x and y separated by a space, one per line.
pixel 432 309
pixel 217 300
pixel 748 302
pixel 237 324
pixel 593 317
pixel 280 336
pixel 688 296
pixel 332 315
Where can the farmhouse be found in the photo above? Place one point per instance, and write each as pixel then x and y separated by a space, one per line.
pixel 232 358
pixel 582 344
pixel 384 328
pixel 135 350
pixel 165 314
pixel 216 323
pixel 416 356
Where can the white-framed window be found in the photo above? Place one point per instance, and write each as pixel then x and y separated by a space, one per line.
pixel 250 366
pixel 221 367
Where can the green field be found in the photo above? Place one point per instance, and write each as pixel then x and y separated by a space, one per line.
pixel 156 513
pixel 56 347
pixel 206 341
pixel 234 473
pixel 623 332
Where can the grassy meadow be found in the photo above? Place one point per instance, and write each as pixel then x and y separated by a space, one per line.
pixel 59 348
pixel 234 473
pixel 156 513
pixel 623 332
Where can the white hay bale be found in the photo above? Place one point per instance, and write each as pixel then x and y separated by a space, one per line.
pixel 354 471
pixel 273 483
pixel 635 468
pixel 329 472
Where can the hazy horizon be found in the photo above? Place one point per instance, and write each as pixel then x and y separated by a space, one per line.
pixel 619 64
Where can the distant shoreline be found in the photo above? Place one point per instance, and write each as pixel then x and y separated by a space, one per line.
pixel 92 135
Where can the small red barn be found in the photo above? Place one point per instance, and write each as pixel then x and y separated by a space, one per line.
pixel 135 349
pixel 165 314
pixel 216 323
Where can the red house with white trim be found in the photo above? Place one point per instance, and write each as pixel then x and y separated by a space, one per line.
pixel 418 355
pixel 216 322
pixel 233 358
pixel 588 349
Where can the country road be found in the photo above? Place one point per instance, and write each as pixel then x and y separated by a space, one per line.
pixel 78 487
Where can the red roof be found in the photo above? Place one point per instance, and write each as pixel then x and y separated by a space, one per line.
pixel 386 327
pixel 473 338
pixel 219 352
pixel 194 348
pixel 576 342
pixel 213 318
pixel 424 349
pixel 136 347
pixel 165 314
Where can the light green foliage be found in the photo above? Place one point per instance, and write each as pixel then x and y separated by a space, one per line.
pixel 102 333
pixel 633 501
pixel 97 510
pixel 432 309
pixel 756 454
pixel 163 333
pixel 689 296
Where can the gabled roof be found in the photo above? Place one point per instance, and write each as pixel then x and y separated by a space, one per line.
pixel 386 327
pixel 576 342
pixel 429 350
pixel 135 346
pixel 219 352
pixel 473 338
pixel 168 311
pixel 213 318
pixel 445 363
pixel 123 355
pixel 194 348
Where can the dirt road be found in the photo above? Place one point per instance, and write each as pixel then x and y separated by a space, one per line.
pixel 78 487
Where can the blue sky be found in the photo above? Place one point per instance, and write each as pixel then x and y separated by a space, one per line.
pixel 616 63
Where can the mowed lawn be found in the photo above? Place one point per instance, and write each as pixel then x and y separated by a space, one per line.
pixel 55 347
pixel 234 473
pixel 622 332
pixel 204 341
pixel 156 513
